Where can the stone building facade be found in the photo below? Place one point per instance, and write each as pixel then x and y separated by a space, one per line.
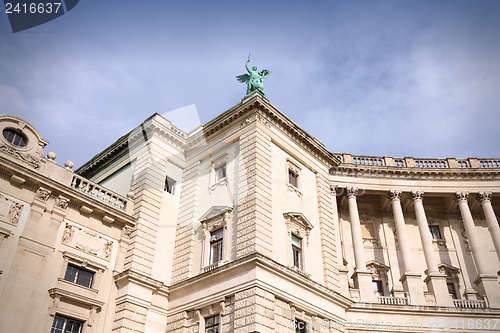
pixel 247 224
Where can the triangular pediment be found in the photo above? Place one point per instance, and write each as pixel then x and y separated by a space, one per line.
pixel 298 218
pixel 215 211
pixel 377 265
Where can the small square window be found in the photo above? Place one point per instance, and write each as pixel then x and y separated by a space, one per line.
pixel 63 324
pixel 293 178
pixel 297 251
pixel 300 326
pixel 216 240
pixel 220 172
pixel 212 324
pixel 79 276
pixel 169 185
pixel 378 288
pixel 435 232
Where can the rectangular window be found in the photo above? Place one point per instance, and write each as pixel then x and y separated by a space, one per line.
pixel 212 324
pixel 216 238
pixel 435 232
pixel 169 185
pixel 220 172
pixel 79 276
pixel 377 288
pixel 451 290
pixel 293 178
pixel 66 325
pixel 297 251
pixel 300 326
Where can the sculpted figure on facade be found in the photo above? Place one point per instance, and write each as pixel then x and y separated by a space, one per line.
pixel 254 79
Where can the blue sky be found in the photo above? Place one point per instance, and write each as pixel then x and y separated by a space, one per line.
pixel 399 78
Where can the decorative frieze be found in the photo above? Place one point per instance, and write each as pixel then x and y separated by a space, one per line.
pixel 10 210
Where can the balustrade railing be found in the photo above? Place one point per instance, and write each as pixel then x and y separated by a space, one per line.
pixel 469 303
pixel 489 163
pixel 391 300
pixel 422 163
pixel 99 192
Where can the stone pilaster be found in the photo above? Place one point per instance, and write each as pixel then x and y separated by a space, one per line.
pixel 184 239
pixel 486 280
pixel 254 193
pixel 436 281
pixel 327 230
pixel 410 278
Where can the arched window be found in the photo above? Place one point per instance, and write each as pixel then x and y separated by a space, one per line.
pixel 15 137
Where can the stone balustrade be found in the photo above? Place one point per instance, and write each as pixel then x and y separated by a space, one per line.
pixel 469 304
pixel 422 163
pixel 390 300
pixel 99 192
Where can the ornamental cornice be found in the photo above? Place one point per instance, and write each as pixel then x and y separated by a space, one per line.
pixel 256 108
pixel 366 171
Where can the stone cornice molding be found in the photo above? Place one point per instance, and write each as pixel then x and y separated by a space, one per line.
pixel 257 108
pixel 367 171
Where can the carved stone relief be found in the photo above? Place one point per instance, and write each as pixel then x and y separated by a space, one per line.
pixel 10 211
pixel 87 241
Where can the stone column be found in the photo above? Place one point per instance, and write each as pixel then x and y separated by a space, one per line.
pixel 436 281
pixel 362 276
pixel 410 278
pixel 486 280
pixel 485 200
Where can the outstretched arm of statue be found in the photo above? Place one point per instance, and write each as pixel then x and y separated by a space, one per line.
pixel 246 64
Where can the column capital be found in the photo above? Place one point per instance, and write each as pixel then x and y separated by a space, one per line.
pixel 461 196
pixel 394 195
pixel 351 192
pixel 483 196
pixel 416 195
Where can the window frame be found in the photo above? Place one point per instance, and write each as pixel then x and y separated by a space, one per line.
pixel 216 243
pixel 293 169
pixel 215 327
pixel 18 133
pixel 379 290
pixel 84 263
pixel 297 325
pixel 78 275
pixel 297 260
pixel 63 329
pixel 436 228
pixel 169 185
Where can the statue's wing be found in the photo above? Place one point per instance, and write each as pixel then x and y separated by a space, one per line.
pixel 265 73
pixel 243 78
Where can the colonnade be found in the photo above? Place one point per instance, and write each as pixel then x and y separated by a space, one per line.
pixel 436 281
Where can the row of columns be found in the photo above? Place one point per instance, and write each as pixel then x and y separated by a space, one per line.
pixel 436 281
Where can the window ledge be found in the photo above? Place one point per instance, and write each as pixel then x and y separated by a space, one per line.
pixel 298 270
pixel 72 284
pixel 292 188
pixel 220 182
pixel 213 266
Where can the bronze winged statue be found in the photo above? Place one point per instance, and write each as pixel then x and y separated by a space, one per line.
pixel 254 78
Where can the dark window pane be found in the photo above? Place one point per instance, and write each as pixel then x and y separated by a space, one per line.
pixel 79 275
pixel 63 324
pixel 14 137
